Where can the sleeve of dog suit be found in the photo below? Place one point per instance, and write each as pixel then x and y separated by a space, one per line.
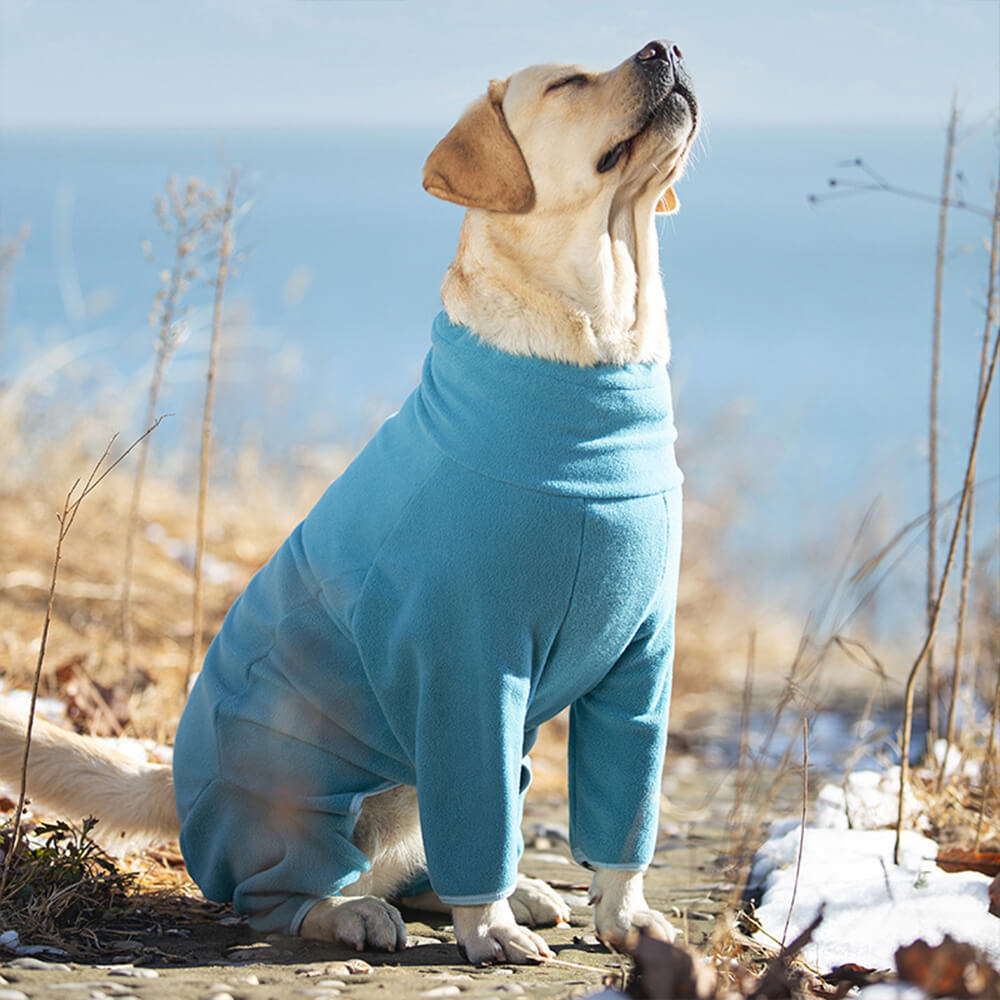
pixel 618 733
pixel 616 747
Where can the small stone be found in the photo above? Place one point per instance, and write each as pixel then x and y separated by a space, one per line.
pixel 27 962
pixel 6 994
pixel 442 991
pixel 416 941
pixel 358 967
pixel 221 996
pixel 248 979
pixel 318 992
pixel 135 972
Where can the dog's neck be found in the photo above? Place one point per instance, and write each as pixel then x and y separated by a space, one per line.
pixel 528 288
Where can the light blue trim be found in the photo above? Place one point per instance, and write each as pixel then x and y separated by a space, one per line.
pixel 581 859
pixel 300 915
pixel 358 800
pixel 477 900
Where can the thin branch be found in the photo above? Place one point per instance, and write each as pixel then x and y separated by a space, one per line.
pixel 226 246
pixel 990 769
pixel 933 409
pixel 904 771
pixel 991 318
pixel 65 519
pixel 802 827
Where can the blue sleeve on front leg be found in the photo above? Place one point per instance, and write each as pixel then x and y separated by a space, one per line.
pixel 469 773
pixel 618 733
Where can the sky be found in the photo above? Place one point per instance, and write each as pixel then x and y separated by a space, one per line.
pixel 381 62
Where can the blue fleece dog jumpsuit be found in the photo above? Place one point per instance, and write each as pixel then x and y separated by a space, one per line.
pixel 507 545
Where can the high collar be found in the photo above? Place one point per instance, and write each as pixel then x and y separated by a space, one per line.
pixel 601 432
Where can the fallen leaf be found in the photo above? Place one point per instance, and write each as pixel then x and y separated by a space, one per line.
pixel 950 969
pixel 958 859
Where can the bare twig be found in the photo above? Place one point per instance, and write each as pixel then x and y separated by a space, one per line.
pixel 70 508
pixel 802 827
pixel 991 318
pixel 904 774
pixel 932 438
pixel 225 254
pixel 990 769
pixel 185 227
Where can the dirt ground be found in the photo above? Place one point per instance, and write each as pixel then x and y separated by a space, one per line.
pixel 197 950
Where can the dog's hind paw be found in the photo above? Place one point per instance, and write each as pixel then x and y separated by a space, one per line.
pixel 536 904
pixel 364 923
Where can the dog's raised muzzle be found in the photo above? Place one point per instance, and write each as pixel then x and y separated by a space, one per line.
pixel 661 62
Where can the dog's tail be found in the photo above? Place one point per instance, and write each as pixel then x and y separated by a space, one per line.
pixel 76 776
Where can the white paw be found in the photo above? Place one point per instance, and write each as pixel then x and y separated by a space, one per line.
pixel 364 923
pixel 536 904
pixel 619 905
pixel 489 934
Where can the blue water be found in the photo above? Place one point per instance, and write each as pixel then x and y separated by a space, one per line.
pixel 800 332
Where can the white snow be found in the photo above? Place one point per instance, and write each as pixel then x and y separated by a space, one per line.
pixel 871 906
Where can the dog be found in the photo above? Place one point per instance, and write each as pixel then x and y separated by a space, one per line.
pixel 505 547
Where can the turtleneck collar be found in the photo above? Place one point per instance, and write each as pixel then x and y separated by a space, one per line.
pixel 602 432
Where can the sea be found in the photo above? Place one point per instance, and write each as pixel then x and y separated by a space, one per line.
pixel 799 274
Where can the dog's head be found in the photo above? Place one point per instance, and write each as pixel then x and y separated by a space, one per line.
pixel 552 138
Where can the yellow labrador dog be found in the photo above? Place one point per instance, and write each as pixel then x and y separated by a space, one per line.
pixel 310 796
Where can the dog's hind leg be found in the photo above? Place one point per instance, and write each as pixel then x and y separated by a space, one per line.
pixel 388 832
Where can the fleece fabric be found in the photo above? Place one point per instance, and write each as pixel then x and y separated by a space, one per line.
pixel 507 545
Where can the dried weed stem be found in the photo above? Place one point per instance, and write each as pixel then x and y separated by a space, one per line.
pixel 991 318
pixel 984 392
pixel 71 507
pixel 186 226
pixel 225 253
pixel 802 826
pixel 932 456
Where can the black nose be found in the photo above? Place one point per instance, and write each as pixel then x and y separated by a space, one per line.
pixel 667 52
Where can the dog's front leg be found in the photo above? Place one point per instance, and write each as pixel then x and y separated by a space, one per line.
pixel 619 904
pixel 489 933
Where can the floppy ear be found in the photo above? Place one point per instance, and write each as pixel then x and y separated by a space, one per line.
pixel 479 163
pixel 668 203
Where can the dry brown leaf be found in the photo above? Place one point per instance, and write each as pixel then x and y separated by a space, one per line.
pixel 958 859
pixel 950 969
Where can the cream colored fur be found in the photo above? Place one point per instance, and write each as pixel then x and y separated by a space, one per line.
pixel 555 259
pixel 577 277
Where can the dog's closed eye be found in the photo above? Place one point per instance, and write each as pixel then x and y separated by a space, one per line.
pixel 575 79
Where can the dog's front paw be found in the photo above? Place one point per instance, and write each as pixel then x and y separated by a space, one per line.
pixel 619 905
pixel 364 923
pixel 537 904
pixel 489 934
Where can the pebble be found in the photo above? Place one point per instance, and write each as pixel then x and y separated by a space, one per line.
pixel 319 992
pixel 96 987
pixel 442 991
pixel 135 972
pixel 36 963
pixel 221 996
pixel 6 994
pixel 248 979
